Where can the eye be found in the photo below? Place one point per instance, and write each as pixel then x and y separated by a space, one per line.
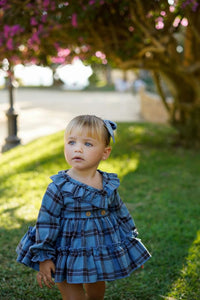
pixel 71 142
pixel 88 144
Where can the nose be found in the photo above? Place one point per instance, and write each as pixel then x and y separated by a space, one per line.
pixel 78 147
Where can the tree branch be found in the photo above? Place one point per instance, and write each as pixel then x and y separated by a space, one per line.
pixel 196 32
pixel 144 29
pixel 160 90
pixel 150 49
pixel 193 68
pixel 96 37
pixel 114 36
pixel 139 64
pixel 140 10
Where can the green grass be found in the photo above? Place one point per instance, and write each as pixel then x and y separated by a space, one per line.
pixel 160 184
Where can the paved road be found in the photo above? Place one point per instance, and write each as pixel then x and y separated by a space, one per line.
pixel 42 112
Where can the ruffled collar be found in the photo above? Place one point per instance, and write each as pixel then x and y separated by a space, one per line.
pixel 85 193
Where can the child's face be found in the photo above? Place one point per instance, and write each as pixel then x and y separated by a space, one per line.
pixel 83 152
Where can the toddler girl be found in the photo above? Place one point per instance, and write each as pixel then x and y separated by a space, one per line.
pixel 84 234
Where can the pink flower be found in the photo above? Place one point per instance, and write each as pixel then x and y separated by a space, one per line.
pixel 184 22
pixel 10 31
pixel 84 48
pixel 40 28
pixel 9 44
pixel 16 29
pixel 101 55
pixel 34 38
pixel 33 21
pixel 58 60
pixel 56 45
pixel 159 23
pixel 33 61
pixel 74 20
pixel 176 22
pixel 163 13
pixel 6 31
pixel 46 3
pixel 44 18
pixel 131 28
pixel 63 52
pixel 53 6
pixel 3 2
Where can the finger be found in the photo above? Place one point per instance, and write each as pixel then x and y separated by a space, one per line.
pixel 49 278
pixel 49 274
pixel 39 280
pixel 46 282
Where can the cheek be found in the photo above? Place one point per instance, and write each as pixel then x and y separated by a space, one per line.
pixel 66 152
pixel 97 155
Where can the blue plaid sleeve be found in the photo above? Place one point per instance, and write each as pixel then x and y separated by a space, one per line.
pixel 48 225
pixel 121 212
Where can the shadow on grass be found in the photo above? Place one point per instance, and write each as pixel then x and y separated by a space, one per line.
pixel 18 281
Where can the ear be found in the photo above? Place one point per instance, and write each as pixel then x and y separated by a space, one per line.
pixel 106 152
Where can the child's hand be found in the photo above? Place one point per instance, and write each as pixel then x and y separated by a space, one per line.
pixel 44 275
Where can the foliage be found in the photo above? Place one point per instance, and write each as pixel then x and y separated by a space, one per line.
pixel 126 32
pixel 161 36
pixel 153 35
pixel 159 184
pixel 26 32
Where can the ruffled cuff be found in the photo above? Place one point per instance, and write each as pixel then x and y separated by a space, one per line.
pixel 43 255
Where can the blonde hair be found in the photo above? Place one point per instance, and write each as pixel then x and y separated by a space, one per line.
pixel 91 125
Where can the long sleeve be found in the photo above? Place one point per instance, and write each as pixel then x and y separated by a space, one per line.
pixel 119 209
pixel 48 225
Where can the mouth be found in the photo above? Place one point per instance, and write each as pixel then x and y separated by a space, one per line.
pixel 77 158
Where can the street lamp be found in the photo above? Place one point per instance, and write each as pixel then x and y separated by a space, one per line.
pixel 12 140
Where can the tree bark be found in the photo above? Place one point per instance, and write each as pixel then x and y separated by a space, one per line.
pixel 185 112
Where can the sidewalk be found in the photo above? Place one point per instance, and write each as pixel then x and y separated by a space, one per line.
pixel 45 111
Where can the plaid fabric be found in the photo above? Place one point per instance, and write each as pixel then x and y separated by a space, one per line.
pixel 88 233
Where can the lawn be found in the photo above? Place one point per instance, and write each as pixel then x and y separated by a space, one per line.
pixel 160 184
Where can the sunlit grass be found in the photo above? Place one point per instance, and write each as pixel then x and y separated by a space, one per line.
pixel 187 284
pixel 122 165
pixel 159 184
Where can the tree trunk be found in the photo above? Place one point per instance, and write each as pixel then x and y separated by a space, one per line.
pixel 185 110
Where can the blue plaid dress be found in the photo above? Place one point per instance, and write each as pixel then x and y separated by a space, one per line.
pixel 88 233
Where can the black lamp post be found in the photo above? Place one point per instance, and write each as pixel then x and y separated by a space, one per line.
pixel 12 140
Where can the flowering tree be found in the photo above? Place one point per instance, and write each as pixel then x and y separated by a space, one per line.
pixel 161 35
pixel 28 34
